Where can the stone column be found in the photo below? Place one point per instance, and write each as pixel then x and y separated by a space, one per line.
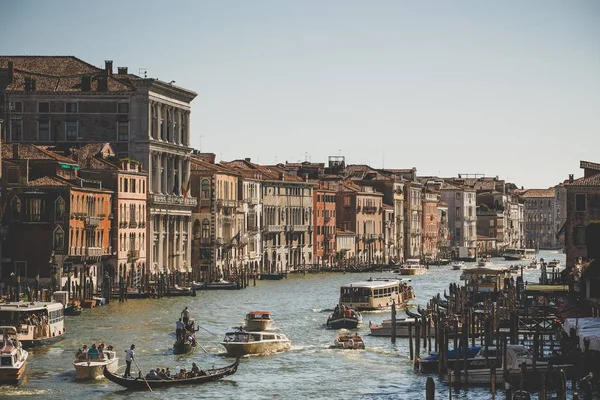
pixel 179 176
pixel 164 185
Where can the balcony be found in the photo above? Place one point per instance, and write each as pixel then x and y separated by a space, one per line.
pixel 133 224
pixel 369 209
pixel 227 203
pixel 205 202
pixel 133 254
pixel 275 228
pixel 252 228
pixel 299 228
pixel 169 199
pixel 92 221
pixel 93 251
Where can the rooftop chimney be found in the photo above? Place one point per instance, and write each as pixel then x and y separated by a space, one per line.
pixel 10 72
pixel 122 70
pixel 570 178
pixel 108 67
pixel 86 83
pixel 15 151
pixel 247 159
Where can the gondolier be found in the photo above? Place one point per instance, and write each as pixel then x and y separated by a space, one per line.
pixel 129 356
pixel 185 314
pixel 179 328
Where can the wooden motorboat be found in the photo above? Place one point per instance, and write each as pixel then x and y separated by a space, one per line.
pixel 240 343
pixel 258 321
pixel 93 368
pixel 142 384
pixel 13 358
pixel 219 284
pixel 348 341
pixel 402 327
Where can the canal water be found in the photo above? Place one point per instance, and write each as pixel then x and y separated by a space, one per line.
pixel 299 305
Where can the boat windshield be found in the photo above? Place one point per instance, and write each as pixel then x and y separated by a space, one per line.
pixel 237 337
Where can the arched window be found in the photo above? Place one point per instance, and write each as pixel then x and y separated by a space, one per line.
pixel 205 189
pixel 59 209
pixel 15 209
pixel 205 229
pixel 196 229
pixel 59 240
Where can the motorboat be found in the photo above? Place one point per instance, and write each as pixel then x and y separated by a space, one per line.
pixel 258 321
pixel 348 340
pixel 140 383
pixel 219 284
pixel 402 327
pixel 458 265
pixel 87 367
pixel 13 358
pixel 534 264
pixel 430 363
pixel 344 318
pixel 484 262
pixel 241 342
pixel 412 266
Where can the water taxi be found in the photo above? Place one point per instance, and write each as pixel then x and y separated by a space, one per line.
pixel 376 294
pixel 241 343
pixel 13 358
pixel 484 261
pixel 412 266
pixel 385 328
pixel 458 265
pixel 511 254
pixel 258 321
pixel 348 340
pixel 37 323
pixel 89 367
pixel 344 318
pixel 485 279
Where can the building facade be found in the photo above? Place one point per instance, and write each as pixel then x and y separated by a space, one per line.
pixel 540 219
pixel 324 226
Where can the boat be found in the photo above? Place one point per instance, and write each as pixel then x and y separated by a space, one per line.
pixel 458 265
pixel 534 264
pixel 347 340
pixel 554 264
pixel 512 254
pixel 485 279
pixel 484 262
pixel 144 384
pixel 219 284
pixel 431 362
pixel 376 294
pixel 185 345
pixel 402 327
pixel 344 318
pixel 272 277
pixel 38 323
pixel 73 309
pixel 412 266
pixel 13 358
pixel 240 343
pixel 258 321
pixel 444 261
pixel 179 291
pixel 93 368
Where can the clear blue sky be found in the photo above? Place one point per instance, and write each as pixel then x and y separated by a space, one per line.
pixel 508 88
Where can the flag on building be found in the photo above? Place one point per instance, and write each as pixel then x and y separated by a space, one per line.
pixel 237 238
pixel 185 190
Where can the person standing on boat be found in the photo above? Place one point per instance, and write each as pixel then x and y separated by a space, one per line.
pixel 179 327
pixel 186 315
pixel 129 356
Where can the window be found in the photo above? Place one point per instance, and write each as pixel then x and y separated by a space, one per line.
pixel 43 107
pixel 123 108
pixel 16 129
pixel 132 185
pixel 123 130
pixel 59 210
pixel 15 207
pixel 205 229
pixel 34 209
pixel 579 236
pixel 580 202
pixel 457 212
pixel 71 131
pixel 205 190
pixel 71 107
pixel 17 106
pixel 44 130
pixel 59 239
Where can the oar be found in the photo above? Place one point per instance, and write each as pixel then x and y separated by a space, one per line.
pixel 207 331
pixel 202 347
pixel 143 377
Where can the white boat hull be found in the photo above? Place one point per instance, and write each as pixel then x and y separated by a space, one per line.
pixel 266 347
pixel 479 377
pixel 94 369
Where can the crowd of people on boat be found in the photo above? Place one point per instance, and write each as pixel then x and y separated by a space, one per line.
pixel 344 311
pixel 185 328
pixel 95 352
pixel 38 320
pixel 165 373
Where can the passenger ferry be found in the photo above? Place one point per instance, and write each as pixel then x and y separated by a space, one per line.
pixel 376 294
pixel 240 343
pixel 519 254
pixel 412 266
pixel 37 323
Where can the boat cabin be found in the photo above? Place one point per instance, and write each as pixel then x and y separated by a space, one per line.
pixel 376 294
pixel 485 279
pixel 35 321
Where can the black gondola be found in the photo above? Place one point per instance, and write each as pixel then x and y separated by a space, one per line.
pixel 141 384
pixel 73 310
pixel 412 314
pixel 183 346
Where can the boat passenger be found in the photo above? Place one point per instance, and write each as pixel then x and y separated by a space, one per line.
pixel 153 375
pixel 195 369
pixel 162 374
pixel 93 352
pixel 80 355
pixel 168 373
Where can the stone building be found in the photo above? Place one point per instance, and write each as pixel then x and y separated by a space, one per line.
pixel 430 225
pixel 461 219
pixel 346 247
pixel 583 206
pixel 62 99
pixel 540 219
pixel 324 226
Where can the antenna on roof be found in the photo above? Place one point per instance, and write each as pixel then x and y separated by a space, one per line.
pixel 144 70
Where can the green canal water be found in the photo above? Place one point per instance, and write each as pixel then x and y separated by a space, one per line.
pixel 299 305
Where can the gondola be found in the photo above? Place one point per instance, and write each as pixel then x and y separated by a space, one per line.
pixel 141 384
pixel 412 314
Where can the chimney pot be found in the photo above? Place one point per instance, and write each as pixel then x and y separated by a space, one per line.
pixel 108 66
pixel 122 70
pixel 247 159
pixel 571 178
pixel 86 83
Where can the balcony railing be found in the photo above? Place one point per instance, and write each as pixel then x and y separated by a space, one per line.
pixel 93 251
pixel 169 199
pixel 275 228
pixel 227 203
pixel 252 228
pixel 133 254
pixel 369 209
pixel 299 228
pixel 92 221
pixel 205 202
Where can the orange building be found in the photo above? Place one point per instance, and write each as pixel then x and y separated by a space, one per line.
pixel 324 233
pixel 430 226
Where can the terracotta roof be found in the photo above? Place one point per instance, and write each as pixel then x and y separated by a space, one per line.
pixel 49 181
pixel 57 74
pixel 593 180
pixel 540 193
pixel 32 152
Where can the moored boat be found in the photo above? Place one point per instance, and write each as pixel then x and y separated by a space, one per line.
pixel 89 367
pixel 430 363
pixel 240 343
pixel 458 265
pixel 219 284
pixel 344 318
pixel 484 261
pixel 402 327
pixel 143 384
pixel 37 323
pixel 13 358
pixel 258 321
pixel 347 340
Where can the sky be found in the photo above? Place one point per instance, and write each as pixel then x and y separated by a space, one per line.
pixel 500 88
